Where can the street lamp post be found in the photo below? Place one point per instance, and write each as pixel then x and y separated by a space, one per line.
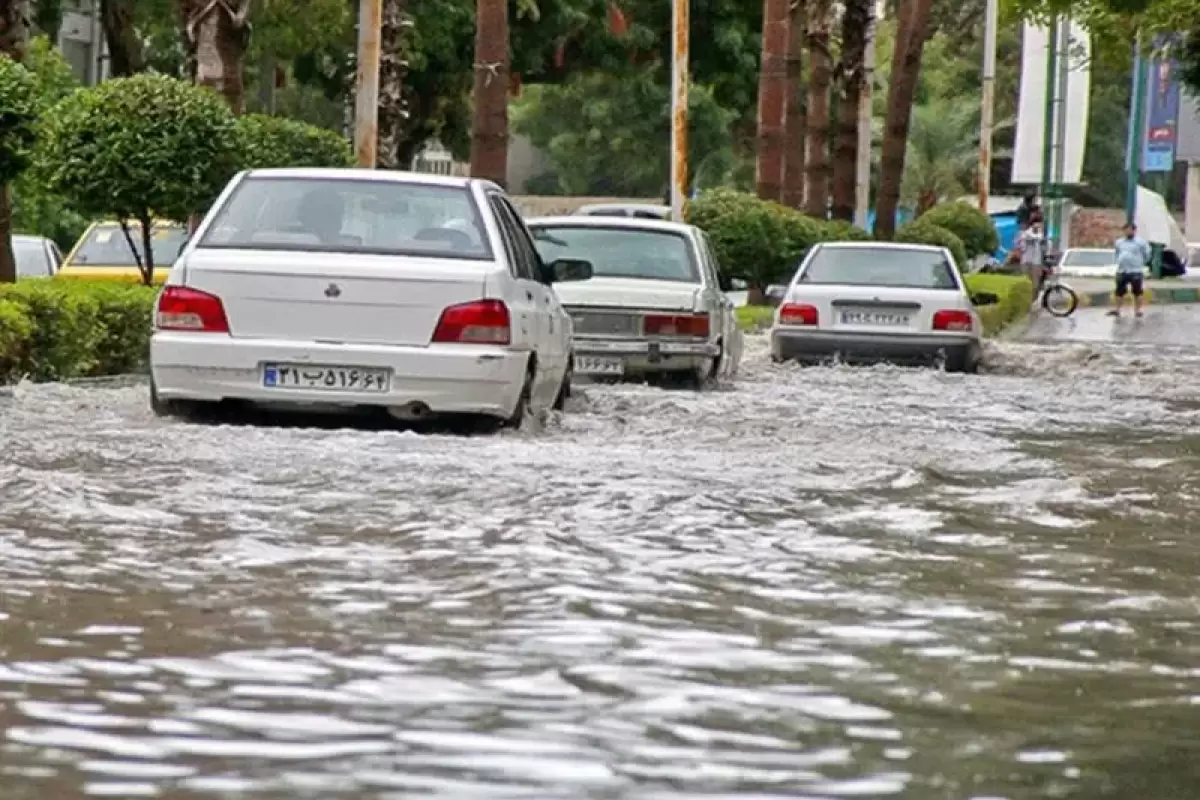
pixel 679 107
pixel 366 89
pixel 987 111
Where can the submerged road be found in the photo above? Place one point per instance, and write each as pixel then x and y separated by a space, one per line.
pixel 1162 326
pixel 828 582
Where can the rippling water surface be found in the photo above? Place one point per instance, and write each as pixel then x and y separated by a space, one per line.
pixel 830 582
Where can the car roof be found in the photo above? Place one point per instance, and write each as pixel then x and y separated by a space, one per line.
pixel 880 246
pixel 651 207
pixel 378 175
pixel 631 223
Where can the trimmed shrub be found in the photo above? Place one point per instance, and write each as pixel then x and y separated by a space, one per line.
pixel 920 231
pixel 1015 293
pixel 56 330
pixel 18 118
pixel 968 223
pixel 266 141
pixel 841 231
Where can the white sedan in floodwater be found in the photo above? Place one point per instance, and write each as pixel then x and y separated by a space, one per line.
pixel 655 306
pixel 878 301
pixel 332 289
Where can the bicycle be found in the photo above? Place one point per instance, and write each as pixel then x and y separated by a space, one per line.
pixel 1057 298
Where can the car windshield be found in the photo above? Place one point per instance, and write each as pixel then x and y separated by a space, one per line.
pixel 350 215
pixel 879 266
pixel 106 246
pixel 1089 258
pixel 31 258
pixel 617 252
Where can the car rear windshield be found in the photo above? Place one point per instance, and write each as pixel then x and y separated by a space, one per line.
pixel 1089 258
pixel 350 215
pixel 879 266
pixel 617 252
pixel 106 246
pixel 31 258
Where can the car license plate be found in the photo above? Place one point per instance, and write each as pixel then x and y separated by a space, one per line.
pixel 885 319
pixel 593 365
pixel 326 378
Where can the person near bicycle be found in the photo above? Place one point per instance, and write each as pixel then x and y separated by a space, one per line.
pixel 1133 254
pixel 1032 246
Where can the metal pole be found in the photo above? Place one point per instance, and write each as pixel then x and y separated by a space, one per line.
pixel 862 170
pixel 366 89
pixel 1048 126
pixel 679 107
pixel 1137 124
pixel 987 108
pixel 1060 128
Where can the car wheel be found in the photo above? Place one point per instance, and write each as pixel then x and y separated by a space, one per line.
pixel 706 376
pixel 966 361
pixel 521 411
pixel 175 409
pixel 564 389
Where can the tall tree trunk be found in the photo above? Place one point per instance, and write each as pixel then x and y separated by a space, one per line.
pixel 124 45
pixel 913 17
pixel 772 100
pixel 14 34
pixel 489 115
pixel 795 119
pixel 816 191
pixel 393 68
pixel 216 33
pixel 856 23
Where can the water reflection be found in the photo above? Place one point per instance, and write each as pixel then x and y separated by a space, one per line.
pixel 825 583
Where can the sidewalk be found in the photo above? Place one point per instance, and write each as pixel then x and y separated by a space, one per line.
pixel 1098 292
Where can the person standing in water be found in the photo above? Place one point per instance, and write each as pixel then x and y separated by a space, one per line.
pixel 1133 253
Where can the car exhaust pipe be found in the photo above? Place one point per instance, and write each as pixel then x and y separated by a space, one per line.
pixel 411 412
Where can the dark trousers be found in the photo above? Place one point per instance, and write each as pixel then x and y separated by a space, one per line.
pixel 1127 282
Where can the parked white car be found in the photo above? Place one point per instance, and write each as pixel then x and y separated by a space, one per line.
pixel 325 289
pixel 872 301
pixel 655 305
pixel 1088 262
pixel 639 210
pixel 37 256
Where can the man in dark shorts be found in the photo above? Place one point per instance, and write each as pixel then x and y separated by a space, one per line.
pixel 1133 253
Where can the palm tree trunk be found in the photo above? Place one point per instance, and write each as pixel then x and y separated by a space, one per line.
pixel 124 46
pixel 14 33
pixel 216 32
pixel 820 76
pixel 856 21
pixel 772 100
pixel 795 120
pixel 913 18
pixel 393 68
pixel 489 116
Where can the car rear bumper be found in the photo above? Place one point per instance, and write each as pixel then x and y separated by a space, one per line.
pixel 448 379
pixel 865 347
pixel 643 356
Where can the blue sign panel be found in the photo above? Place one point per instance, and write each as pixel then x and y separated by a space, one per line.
pixel 1162 117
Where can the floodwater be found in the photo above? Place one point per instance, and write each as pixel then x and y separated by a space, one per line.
pixel 830 582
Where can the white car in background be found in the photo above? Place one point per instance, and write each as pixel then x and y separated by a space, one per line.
pixel 639 210
pixel 655 306
pixel 37 256
pixel 1088 262
pixel 330 289
pixel 876 301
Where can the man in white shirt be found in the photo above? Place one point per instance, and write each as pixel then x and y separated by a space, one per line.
pixel 1133 253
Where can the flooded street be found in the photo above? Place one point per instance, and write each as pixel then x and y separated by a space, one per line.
pixel 829 582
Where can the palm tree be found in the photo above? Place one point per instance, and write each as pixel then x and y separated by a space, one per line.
pixel 820 66
pixel 393 67
pixel 943 152
pixel 216 33
pixel 772 100
pixel 489 116
pixel 852 74
pixel 125 56
pixel 795 120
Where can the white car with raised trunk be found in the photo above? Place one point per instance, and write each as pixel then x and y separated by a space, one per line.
pixel 327 289
pixel 879 301
pixel 655 306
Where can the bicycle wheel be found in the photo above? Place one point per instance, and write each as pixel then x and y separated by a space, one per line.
pixel 1059 300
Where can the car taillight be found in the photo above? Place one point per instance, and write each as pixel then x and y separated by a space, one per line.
pixel 479 322
pixel 798 314
pixel 676 325
pixel 184 309
pixel 952 320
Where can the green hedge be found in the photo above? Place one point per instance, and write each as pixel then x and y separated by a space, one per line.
pixel 1015 295
pixel 57 330
pixel 971 225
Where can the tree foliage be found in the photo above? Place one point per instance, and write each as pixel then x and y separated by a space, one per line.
pixel 18 118
pixel 265 141
pixel 142 148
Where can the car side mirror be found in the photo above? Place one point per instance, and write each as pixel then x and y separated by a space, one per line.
pixel 738 285
pixel 775 293
pixel 984 299
pixel 565 270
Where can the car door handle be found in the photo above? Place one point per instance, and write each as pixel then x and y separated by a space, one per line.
pixel 529 295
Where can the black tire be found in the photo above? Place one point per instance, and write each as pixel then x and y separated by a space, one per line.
pixel 963 361
pixel 564 389
pixel 173 409
pixel 703 377
pixel 1060 301
pixel 517 418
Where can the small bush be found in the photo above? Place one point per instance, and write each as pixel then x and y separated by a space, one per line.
pixel 920 231
pixel 18 118
pixel 968 223
pixel 1015 293
pixel 56 330
pixel 841 231
pixel 266 141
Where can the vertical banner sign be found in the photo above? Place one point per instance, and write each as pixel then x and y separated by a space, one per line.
pixel 1162 117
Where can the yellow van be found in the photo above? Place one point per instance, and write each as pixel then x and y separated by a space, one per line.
pixel 103 253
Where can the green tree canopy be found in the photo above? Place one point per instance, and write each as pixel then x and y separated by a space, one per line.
pixel 266 141
pixel 18 118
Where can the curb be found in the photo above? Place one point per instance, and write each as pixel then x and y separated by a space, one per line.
pixel 1154 296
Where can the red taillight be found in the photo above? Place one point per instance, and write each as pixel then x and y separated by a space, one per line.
pixel 480 322
pixel 184 309
pixel 953 320
pixel 676 325
pixel 798 314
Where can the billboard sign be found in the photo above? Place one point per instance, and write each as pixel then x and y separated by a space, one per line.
pixel 1162 117
pixel 1030 139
